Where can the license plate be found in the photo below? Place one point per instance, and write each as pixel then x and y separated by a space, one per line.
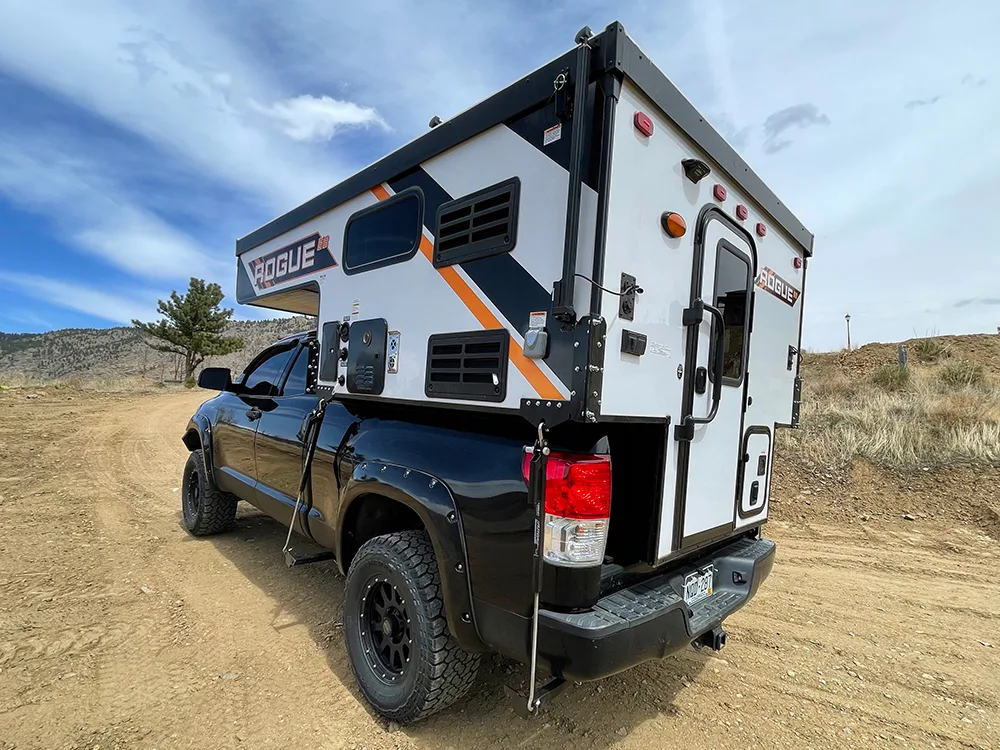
pixel 698 585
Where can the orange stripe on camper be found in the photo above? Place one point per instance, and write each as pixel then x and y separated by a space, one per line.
pixel 527 367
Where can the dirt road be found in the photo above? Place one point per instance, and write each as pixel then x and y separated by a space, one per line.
pixel 118 630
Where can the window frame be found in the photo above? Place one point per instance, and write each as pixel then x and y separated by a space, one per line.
pixel 725 245
pixel 260 359
pixel 392 260
pixel 310 383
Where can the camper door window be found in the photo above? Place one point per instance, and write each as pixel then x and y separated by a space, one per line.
pixel 732 292
pixel 386 233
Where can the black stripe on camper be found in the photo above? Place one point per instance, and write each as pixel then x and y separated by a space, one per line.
pixel 513 291
pixel 533 124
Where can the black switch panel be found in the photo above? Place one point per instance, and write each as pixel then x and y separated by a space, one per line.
pixel 633 343
pixel 330 353
pixel 754 494
pixel 366 356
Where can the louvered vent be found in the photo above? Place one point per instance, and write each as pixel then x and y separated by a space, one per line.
pixel 469 365
pixel 478 225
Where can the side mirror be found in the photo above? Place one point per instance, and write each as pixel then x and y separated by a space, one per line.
pixel 215 379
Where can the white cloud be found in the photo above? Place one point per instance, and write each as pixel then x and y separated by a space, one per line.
pixel 166 73
pixel 90 211
pixel 311 118
pixel 111 307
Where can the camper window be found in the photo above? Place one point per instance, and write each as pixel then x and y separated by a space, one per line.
pixel 386 233
pixel 732 292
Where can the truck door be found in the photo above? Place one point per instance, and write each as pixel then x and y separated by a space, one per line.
pixel 711 429
pixel 238 415
pixel 278 447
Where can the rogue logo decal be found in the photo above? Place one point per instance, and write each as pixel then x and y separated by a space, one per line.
pixel 769 281
pixel 302 257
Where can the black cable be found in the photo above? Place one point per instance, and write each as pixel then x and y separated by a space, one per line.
pixel 631 288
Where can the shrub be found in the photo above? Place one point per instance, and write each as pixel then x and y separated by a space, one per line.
pixel 962 374
pixel 892 377
pixel 190 383
pixel 930 350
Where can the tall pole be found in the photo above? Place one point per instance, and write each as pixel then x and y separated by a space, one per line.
pixel 848 319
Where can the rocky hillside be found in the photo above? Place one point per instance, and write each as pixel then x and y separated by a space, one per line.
pixel 98 353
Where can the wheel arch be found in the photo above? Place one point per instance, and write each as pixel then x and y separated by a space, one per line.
pixel 382 498
pixel 198 435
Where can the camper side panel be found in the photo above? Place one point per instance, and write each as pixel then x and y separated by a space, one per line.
pixel 419 299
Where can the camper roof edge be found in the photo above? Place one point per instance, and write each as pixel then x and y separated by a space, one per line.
pixel 614 51
pixel 637 66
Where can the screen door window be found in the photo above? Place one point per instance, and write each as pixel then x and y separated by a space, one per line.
pixel 732 297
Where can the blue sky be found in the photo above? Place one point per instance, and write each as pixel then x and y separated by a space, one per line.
pixel 139 139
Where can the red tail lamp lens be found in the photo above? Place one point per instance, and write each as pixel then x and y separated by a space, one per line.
pixel 576 485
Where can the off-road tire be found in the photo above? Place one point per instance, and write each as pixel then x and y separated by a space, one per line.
pixel 439 672
pixel 209 510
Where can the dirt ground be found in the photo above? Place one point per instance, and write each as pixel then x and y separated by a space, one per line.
pixel 118 630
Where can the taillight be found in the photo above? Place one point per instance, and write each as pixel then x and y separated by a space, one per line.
pixel 577 507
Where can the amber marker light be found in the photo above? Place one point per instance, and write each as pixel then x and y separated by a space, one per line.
pixel 673 224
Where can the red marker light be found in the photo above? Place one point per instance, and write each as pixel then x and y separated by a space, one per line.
pixel 797 262
pixel 719 192
pixel 761 229
pixel 643 124
pixel 741 212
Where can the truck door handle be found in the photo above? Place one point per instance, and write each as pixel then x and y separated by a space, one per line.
pixel 719 364
pixel 253 414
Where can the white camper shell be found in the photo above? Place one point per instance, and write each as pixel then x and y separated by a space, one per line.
pixel 527 258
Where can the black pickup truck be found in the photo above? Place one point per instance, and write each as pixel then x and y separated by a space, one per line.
pixel 430 519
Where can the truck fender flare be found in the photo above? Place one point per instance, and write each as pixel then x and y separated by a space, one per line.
pixel 433 503
pixel 200 427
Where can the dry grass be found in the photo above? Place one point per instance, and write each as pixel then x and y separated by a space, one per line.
pixel 933 415
pixel 892 377
pixel 930 350
pixel 13 383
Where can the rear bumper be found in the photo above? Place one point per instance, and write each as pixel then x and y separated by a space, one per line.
pixel 650 619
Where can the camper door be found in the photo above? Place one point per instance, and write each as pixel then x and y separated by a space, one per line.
pixel 718 343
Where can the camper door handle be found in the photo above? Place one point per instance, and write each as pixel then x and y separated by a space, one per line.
pixel 717 370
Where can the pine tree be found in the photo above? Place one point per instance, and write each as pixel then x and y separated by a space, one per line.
pixel 192 326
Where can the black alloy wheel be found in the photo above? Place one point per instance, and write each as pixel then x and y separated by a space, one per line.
pixel 385 630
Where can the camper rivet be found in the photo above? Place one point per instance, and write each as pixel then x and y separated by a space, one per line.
pixel 598 344
pixel 545 451
pixel 364 466
pixel 572 394
pixel 433 483
pixel 576 344
pixel 452 516
pixel 559 405
pixel 538 403
pixel 460 568
pixel 576 369
pixel 595 394
pixel 406 473
pixel 548 404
